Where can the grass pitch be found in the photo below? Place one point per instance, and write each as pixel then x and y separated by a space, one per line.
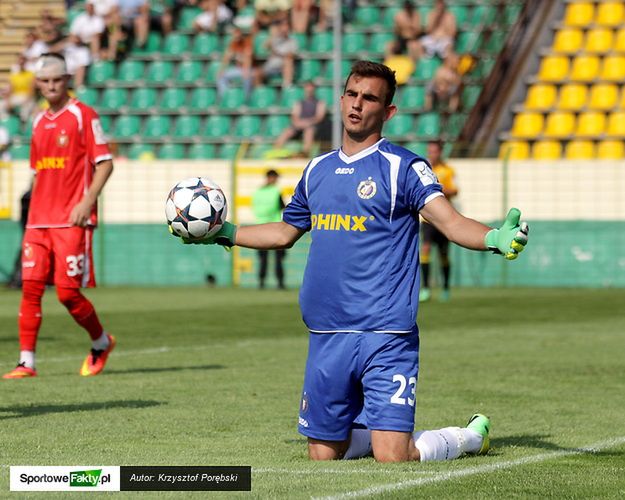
pixel 213 377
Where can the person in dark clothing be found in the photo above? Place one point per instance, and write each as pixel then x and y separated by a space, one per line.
pixel 306 116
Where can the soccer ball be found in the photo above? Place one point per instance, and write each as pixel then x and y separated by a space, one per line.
pixel 196 208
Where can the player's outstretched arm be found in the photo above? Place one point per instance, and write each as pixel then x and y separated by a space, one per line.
pixel 260 236
pixel 508 240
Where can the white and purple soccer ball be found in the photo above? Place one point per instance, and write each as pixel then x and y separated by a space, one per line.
pixel 196 208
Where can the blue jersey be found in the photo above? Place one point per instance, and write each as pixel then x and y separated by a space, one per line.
pixel 362 273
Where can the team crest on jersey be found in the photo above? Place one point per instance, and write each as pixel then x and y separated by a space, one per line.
pixel 62 139
pixel 367 189
pixel 28 251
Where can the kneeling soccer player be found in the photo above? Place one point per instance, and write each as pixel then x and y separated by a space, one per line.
pixel 360 294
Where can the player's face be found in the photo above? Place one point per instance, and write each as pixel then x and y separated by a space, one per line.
pixel 362 106
pixel 54 89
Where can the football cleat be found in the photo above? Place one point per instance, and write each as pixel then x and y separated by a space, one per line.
pixel 21 371
pixel 96 359
pixel 481 424
pixel 425 294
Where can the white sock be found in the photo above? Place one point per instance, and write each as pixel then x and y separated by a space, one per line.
pixel 28 358
pixel 101 343
pixel 359 445
pixel 447 443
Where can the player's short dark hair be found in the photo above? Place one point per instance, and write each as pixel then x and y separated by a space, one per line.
pixel 373 69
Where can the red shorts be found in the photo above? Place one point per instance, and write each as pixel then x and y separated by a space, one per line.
pixel 59 256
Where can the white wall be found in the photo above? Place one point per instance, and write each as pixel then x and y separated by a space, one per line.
pixel 561 190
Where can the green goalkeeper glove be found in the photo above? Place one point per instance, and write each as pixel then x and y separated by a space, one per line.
pixel 510 239
pixel 224 237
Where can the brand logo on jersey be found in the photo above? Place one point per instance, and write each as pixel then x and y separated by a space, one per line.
pixel 344 170
pixel 63 139
pixel 425 173
pixel 49 126
pixel 50 163
pixel 339 222
pixel 367 189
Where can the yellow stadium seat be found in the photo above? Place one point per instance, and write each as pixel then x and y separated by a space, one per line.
pixel 553 68
pixel 611 150
pixel 573 96
pixel 547 150
pixel 613 68
pixel 579 14
pixel 517 150
pixel 599 40
pixel 619 40
pixel 560 124
pixel 541 96
pixel 527 125
pixel 585 68
pixel 603 96
pixel 568 40
pixel 590 124
pixel 610 13
pixel 579 150
pixel 616 124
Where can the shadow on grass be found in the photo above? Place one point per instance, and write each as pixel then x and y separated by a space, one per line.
pixel 20 411
pixel 538 441
pixel 165 369
pixel 15 339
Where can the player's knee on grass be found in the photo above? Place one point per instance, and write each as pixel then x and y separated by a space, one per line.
pixel 391 446
pixel 326 450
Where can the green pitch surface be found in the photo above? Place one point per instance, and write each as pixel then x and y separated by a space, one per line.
pixel 212 377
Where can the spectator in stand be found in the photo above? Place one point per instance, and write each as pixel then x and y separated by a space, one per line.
pixel 33 48
pixel 19 94
pixel 161 16
pixel 270 12
pixel 50 30
pixel 444 89
pixel 282 46
pixel 214 16
pixel 83 42
pixel 244 15
pixel 440 32
pixel 306 116
pixel 407 30
pixel 237 63
pixel 303 14
pixel 107 46
pixel 135 20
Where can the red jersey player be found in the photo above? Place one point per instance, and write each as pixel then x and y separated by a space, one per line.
pixel 72 162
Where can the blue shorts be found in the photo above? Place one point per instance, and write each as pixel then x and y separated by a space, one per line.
pixel 363 378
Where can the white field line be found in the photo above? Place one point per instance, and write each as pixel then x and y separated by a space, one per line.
pixel 483 469
pixel 303 472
